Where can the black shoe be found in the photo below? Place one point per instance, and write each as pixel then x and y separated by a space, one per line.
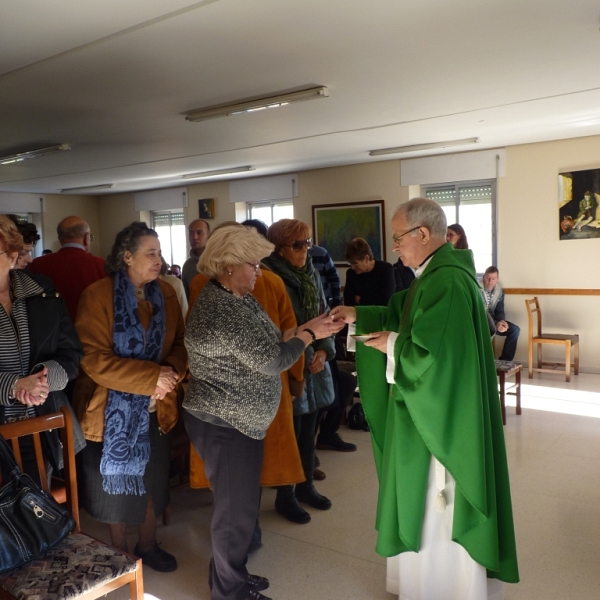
pixel 157 559
pixel 287 505
pixel 334 442
pixel 306 492
pixel 318 475
pixel 257 583
pixel 255 595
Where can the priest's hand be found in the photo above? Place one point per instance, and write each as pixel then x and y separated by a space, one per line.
pixel 343 313
pixel 378 340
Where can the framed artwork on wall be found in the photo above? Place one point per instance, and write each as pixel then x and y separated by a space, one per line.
pixel 579 204
pixel 335 225
pixel 206 208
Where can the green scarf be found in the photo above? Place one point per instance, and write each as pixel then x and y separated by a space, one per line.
pixel 308 289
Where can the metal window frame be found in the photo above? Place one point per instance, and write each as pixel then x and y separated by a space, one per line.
pixel 270 203
pixel 171 212
pixel 471 183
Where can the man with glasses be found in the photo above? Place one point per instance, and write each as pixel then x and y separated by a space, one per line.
pixel 72 269
pixel 433 408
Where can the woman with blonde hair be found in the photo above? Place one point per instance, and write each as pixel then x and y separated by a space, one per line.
pixel 236 356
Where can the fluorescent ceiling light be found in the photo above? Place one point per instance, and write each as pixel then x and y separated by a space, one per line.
pixel 90 188
pixel 13 158
pixel 203 114
pixel 217 172
pixel 417 147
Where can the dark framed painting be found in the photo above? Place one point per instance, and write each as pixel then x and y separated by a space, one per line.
pixel 335 225
pixel 579 204
pixel 206 208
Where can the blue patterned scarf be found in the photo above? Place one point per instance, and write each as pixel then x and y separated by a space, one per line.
pixel 126 420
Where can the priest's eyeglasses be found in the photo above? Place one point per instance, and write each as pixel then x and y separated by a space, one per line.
pixel 297 245
pixel 396 238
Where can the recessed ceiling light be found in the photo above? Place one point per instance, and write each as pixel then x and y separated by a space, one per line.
pixel 417 147
pixel 217 172
pixel 250 106
pixel 13 158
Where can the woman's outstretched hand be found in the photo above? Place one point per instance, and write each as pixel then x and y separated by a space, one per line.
pixel 345 314
pixel 323 326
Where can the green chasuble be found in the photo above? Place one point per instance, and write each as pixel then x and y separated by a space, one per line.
pixel 444 403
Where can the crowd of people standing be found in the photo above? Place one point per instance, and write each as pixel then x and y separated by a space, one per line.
pixel 253 373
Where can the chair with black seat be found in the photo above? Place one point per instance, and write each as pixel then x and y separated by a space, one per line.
pixel 569 341
pixel 79 566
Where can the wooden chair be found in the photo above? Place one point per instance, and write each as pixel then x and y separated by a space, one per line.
pixel 80 566
pixel 504 369
pixel 570 342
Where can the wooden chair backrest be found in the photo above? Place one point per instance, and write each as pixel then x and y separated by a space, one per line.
pixel 533 306
pixel 60 420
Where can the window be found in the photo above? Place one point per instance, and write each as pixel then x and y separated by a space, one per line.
pixel 269 212
pixel 472 205
pixel 170 226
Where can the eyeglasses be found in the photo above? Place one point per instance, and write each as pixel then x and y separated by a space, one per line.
pixel 92 237
pixel 255 266
pixel 297 245
pixel 396 238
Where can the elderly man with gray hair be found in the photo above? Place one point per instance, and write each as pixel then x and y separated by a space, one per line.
pixel 428 385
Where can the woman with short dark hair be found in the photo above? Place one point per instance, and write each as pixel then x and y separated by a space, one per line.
pixel 30 238
pixel 131 327
pixel 369 282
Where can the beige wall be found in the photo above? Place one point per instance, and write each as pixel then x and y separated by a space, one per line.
pixel 353 183
pixel 116 211
pixel 219 190
pixel 530 253
pixel 57 207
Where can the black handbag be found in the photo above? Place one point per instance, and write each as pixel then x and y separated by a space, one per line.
pixel 31 521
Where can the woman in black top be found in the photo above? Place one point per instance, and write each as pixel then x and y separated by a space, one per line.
pixel 369 282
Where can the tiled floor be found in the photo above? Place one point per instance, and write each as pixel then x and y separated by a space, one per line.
pixel 554 460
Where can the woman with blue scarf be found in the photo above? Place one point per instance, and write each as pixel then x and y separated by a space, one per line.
pixel 131 327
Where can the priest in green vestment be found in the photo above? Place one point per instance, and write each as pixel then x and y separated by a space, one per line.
pixel 432 344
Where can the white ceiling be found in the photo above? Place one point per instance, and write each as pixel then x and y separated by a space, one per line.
pixel 113 78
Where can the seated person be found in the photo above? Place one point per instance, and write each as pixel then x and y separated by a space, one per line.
pixel 493 296
pixel 369 282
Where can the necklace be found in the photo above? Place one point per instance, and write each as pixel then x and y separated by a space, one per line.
pixel 228 290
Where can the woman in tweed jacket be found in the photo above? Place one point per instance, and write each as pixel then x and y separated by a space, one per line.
pixel 236 354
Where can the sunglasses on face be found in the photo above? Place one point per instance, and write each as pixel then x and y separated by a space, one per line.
pixel 297 245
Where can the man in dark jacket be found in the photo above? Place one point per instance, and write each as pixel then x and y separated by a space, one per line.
pixel 493 296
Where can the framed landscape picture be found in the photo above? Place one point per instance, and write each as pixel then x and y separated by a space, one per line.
pixel 335 225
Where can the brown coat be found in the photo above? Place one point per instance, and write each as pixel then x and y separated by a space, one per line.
pixel 102 370
pixel 281 459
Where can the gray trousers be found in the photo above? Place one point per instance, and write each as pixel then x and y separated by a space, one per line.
pixel 232 463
